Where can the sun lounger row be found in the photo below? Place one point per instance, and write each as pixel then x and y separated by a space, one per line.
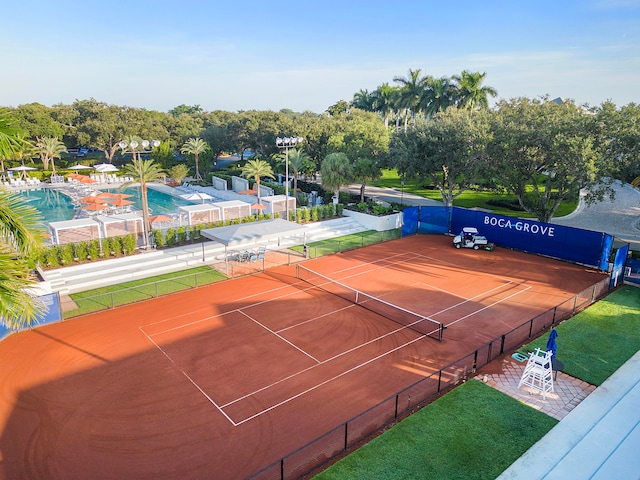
pixel 110 178
pixel 18 182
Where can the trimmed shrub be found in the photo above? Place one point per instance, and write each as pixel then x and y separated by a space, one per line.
pixel 158 238
pixel 329 211
pixel 171 237
pixel 67 254
pixel 52 256
pixel 81 251
pixel 182 235
pixel 93 250
pixel 129 243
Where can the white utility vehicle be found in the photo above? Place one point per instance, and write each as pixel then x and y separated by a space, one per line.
pixel 470 238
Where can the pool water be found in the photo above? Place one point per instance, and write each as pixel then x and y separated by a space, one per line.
pixel 55 206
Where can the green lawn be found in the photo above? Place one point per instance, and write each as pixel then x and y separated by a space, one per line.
pixel 597 341
pixel 468 199
pixel 134 291
pixel 477 432
pixel 473 431
pixel 347 242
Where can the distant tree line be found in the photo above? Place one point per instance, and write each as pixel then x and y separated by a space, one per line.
pixel 440 131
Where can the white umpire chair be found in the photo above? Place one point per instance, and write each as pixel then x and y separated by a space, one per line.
pixel 538 373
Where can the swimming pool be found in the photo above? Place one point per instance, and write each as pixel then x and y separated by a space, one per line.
pixel 55 206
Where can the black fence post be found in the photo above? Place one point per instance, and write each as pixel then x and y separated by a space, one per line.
pixel 346 434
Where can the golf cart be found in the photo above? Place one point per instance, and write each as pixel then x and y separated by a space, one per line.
pixel 470 238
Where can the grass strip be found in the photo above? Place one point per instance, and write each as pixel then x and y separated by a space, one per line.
pixel 597 341
pixel 143 289
pixel 473 431
pixel 348 242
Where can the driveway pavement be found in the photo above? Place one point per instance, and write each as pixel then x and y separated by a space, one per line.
pixel 619 217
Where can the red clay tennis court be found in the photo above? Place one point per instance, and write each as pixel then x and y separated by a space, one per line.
pixel 224 380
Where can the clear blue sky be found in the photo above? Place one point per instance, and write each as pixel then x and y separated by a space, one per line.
pixel 307 55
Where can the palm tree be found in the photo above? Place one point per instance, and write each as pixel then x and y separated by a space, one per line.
pixel 178 172
pixel 298 162
pixel 195 146
pixel 385 101
pixel 363 100
pixel 471 94
pixel 21 237
pixel 411 92
pixel 256 169
pixel 10 135
pixel 49 148
pixel 439 95
pixel 143 172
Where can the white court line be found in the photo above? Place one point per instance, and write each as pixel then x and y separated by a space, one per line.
pixel 205 319
pixel 488 306
pixel 220 408
pixel 287 400
pixel 467 300
pixel 193 382
pixel 353 349
pixel 238 300
pixel 279 336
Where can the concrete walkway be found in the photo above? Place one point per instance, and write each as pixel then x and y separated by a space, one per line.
pixel 598 439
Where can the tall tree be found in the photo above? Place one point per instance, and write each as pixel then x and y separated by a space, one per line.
pixel 365 170
pixel 544 153
pixel 385 101
pixel 471 94
pixel 363 100
pixel 143 172
pixel 50 148
pixel 195 146
pixel 411 92
pixel 439 95
pixel 257 169
pixel 298 162
pixel 336 170
pixel 448 151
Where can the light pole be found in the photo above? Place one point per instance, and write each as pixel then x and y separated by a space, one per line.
pixel 287 143
pixel 133 145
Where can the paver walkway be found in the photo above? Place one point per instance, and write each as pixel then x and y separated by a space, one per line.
pixel 504 374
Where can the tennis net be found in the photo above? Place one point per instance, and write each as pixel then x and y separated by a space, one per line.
pixel 419 323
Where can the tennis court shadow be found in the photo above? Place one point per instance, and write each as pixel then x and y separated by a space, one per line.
pixel 75 414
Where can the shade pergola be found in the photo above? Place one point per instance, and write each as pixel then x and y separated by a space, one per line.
pixel 248 234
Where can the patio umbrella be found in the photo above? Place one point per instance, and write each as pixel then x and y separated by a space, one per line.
pixel 95 207
pixel 160 219
pixel 93 199
pixel 105 167
pixel 108 196
pixel 551 343
pixel 79 167
pixel 22 169
pixel 196 196
pixel 119 202
pixel 84 179
pixel 258 206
